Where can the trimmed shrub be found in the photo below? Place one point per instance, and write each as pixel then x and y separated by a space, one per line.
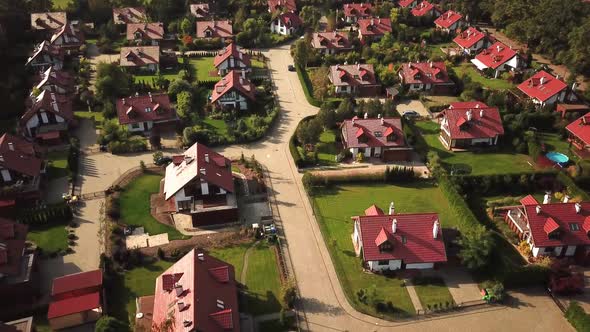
pixel 579 319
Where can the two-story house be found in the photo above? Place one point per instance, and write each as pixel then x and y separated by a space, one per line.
pixel 145 33
pixel 141 113
pixel 46 55
pixel 140 57
pixel 450 21
pixel 286 24
pixel 355 11
pixel 21 168
pixel 232 57
pixel 373 29
pixel 356 79
pixel 215 29
pixel 200 10
pixel 200 183
pixel 69 38
pixel 544 89
pixel 426 9
pixel 429 76
pixel 471 41
pixel 49 118
pixel 125 15
pixel 330 42
pixel 234 90
pixel 498 58
pixel 54 81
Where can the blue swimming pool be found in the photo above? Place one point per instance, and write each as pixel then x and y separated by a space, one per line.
pixel 557 157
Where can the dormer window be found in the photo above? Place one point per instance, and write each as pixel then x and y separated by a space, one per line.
pixel 574 227
pixel 392 137
pixel 148 109
pixel 378 134
pixel 385 246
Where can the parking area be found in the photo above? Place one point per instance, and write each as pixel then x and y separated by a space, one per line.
pixel 413 105
pixel 462 287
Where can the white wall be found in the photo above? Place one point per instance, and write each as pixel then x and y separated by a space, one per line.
pixel 392 265
pixel 570 250
pixel 420 266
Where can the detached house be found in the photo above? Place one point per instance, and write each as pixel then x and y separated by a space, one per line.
pixel 140 57
pixel 378 138
pixel 143 113
pixel 356 79
pixel 282 6
pixel 21 168
pixel 373 29
pixel 232 58
pixel 470 124
pixel 49 118
pixel 215 29
pixel 286 24
pixel 552 229
pixel 145 33
pixel 200 10
pixel 498 58
pixel 394 241
pixel 49 21
pixel 200 183
pixel 68 38
pixel 425 9
pixel 544 89
pixel 579 136
pixel 471 40
pixel 355 11
pixel 450 21
pixel 426 76
pixel 330 42
pixel 46 55
pixel 234 90
pixel 407 3
pixel 197 293
pixel 127 15
pixel 55 81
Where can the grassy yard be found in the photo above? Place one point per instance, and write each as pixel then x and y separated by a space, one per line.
pixel 334 207
pixel 58 164
pixel 554 142
pixel 203 66
pixel 257 63
pixel 61 4
pixel 135 206
pixel 468 69
pixel 217 125
pixel 432 291
pixel 51 238
pixel 233 255
pixel 327 148
pixel 263 281
pixel 497 162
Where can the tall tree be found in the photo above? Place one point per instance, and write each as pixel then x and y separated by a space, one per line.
pixel 476 246
pixel 320 82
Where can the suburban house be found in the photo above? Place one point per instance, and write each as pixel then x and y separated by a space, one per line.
pixel 46 55
pixel 552 229
pixel 145 33
pixel 234 90
pixel 49 118
pixel 68 38
pixel 544 89
pixel 450 21
pixel 356 79
pixel 48 21
pixel 200 10
pixel 498 58
pixel 354 11
pixel 471 40
pixel 394 241
pixel 140 57
pixel 18 281
pixel 197 293
pixel 373 29
pixel 407 3
pixel 579 136
pixel 286 24
pixel 231 57
pixel 215 29
pixel 18 325
pixel 330 42
pixel 281 6
pixel 55 81
pixel 76 299
pixel 470 124
pixel 127 15
pixel 426 76
pixel 141 113
pixel 21 168
pixel 376 138
pixel 199 182
pixel 425 9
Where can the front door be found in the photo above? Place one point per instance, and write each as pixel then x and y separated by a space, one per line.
pixel 145 126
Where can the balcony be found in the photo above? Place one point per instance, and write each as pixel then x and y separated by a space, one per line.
pixel 214 203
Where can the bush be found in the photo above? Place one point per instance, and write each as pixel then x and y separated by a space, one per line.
pixel 288 294
pixel 142 166
pixel 579 319
pixel 161 253
pixel 525 276
pixel 110 324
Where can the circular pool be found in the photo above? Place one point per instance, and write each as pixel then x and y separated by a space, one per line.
pixel 557 157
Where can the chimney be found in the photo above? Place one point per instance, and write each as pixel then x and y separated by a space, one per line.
pixel 220 304
pixel 499 48
pixel 578 207
pixel 353 120
pixel 206 157
pixel 379 116
pixel 469 115
pixel 391 208
pixel 366 115
pixel 10 146
pixel 358 66
pixel 547 198
pixel 203 171
pixel 124 101
pixel 431 63
pixel 382 121
pixel 201 256
pixel 150 95
pixel 394 225
pixel 435 228
pixel 538 209
pixel 566 198
pixel 481 113
pixel 542 80
pixel 372 22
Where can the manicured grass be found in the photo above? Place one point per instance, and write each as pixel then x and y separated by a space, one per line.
pixel 61 4
pixel 216 125
pixel 51 238
pixel 468 69
pixel 554 142
pixel 97 117
pixel 327 147
pixel 432 291
pixel 233 255
pixel 263 282
pixel 58 164
pixel 203 66
pixel 480 163
pixel 135 206
pixel 334 207
pixel 435 49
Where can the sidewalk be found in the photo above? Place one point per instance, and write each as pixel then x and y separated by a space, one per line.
pixel 413 296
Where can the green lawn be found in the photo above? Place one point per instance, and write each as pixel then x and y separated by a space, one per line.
pixel 554 142
pixel 97 117
pixel 135 206
pixel 276 326
pixel 432 291
pixel 61 4
pixel 327 148
pixel 203 67
pixel 263 281
pixel 334 207
pixel 481 163
pixel 216 125
pixel 51 238
pixel 57 164
pixel 469 69
pixel 233 255
pixel 435 49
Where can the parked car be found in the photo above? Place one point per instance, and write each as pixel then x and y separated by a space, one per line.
pixel 410 114
pixel 163 161
pixel 291 68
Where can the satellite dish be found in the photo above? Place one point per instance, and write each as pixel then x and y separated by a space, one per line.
pixel 139 315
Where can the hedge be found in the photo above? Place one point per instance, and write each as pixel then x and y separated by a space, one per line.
pixel 300 162
pixel 579 319
pixel 464 214
pixel 526 276
pixel 306 84
pixel 53 214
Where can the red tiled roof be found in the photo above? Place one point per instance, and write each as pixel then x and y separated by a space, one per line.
pixel 542 86
pixel 424 8
pixel 73 305
pixel 138 56
pixel 496 55
pixel 580 128
pixel 382 237
pixel 354 75
pixel 406 3
pixel 371 129
pixel 469 37
pixel 290 20
pixel 572 107
pixel 221 273
pixel 19 155
pixel 76 281
pixel 467 104
pixel 561 214
pixel 447 19
pixel 357 9
pixel 147 31
pixel 373 210
pixel 129 15
pixel 485 123
pixel 233 81
pixel 279 5
pixel 200 10
pixel 374 26
pixel 550 226
pixel 232 50
pixel 425 73
pixel 133 109
pixel 52 103
pixel 417 230
pixel 209 304
pixel 330 40
pixel 219 29
pixel 217 171
pixel 529 200
pixel 586 225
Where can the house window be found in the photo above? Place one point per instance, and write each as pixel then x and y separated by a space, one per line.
pixel 574 227
pixel 378 134
pixel 184 205
pixel 391 138
pixel 383 262
pixel 554 235
pixel 404 240
pixel 549 250
pixel 148 109
pixel 385 247
pixel 135 125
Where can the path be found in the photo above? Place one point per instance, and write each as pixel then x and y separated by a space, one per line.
pixel 245 262
pixel 413 295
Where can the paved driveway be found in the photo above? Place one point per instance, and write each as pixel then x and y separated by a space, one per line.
pixel 413 105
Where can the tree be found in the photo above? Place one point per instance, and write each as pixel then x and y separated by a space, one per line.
pixel 302 53
pixel 112 81
pixel 345 110
pixel 254 33
pixel 177 86
pixel 327 116
pixel 110 324
pixel 288 294
pixel 309 132
pixel 311 17
pixel 186 26
pixel 579 48
pixel 184 104
pixel 320 82
pixel 476 246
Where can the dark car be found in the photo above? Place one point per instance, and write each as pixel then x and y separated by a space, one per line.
pixel 163 161
pixel 291 68
pixel 410 114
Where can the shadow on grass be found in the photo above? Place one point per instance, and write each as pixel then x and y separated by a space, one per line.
pixel 257 304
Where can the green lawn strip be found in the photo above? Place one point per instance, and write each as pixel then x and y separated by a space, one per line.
pixel 51 238
pixel 327 147
pixel 263 281
pixel 203 66
pixel 435 49
pixel 467 69
pixel 233 255
pixel 483 163
pixel 217 125
pixel 58 164
pixel 97 117
pixel 135 206
pixel 432 292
